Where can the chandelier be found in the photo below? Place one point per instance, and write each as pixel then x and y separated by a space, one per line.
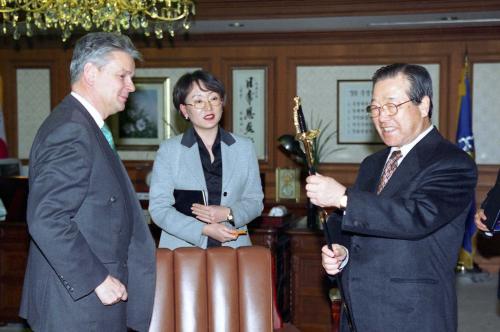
pixel 146 16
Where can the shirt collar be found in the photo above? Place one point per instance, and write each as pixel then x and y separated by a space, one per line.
pixel 91 109
pixel 189 138
pixel 405 149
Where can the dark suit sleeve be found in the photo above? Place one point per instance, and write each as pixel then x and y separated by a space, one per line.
pixel 59 176
pixel 435 196
pixel 335 229
pixel 494 192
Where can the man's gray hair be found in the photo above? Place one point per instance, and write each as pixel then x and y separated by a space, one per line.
pixel 95 48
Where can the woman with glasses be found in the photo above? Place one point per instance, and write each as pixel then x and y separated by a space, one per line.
pixel 205 163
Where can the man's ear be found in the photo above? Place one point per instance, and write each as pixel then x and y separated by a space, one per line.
pixel 89 73
pixel 424 106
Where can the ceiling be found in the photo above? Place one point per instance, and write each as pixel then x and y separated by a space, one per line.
pixel 348 23
pixel 267 16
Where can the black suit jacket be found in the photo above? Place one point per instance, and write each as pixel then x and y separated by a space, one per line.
pixel 403 243
pixel 494 193
pixel 85 222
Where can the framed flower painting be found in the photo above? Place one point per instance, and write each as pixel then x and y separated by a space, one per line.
pixel 144 122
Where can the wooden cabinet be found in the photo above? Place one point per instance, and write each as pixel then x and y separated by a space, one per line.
pixel 301 283
pixel 277 241
pixel 309 303
pixel 14 242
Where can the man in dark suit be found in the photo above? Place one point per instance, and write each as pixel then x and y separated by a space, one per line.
pixel 91 264
pixel 493 195
pixel 398 230
pixel 480 217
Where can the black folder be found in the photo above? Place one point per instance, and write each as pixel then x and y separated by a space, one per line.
pixel 184 199
pixel 492 211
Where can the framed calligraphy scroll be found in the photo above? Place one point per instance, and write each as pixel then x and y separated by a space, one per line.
pixel 354 124
pixel 249 101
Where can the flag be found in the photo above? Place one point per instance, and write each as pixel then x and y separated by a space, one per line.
pixel 3 137
pixel 465 140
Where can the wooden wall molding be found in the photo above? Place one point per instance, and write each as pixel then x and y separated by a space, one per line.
pixel 157 59
pixel 248 9
pixel 464 34
pixel 484 57
pixel 343 37
pixel 10 64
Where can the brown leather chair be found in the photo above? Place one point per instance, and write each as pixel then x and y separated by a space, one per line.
pixel 218 289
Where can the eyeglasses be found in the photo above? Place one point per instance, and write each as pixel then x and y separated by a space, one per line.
pixel 390 109
pixel 199 103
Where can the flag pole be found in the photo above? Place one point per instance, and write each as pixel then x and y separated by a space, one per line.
pixel 465 140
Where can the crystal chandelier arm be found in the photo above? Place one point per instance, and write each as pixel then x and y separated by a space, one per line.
pixel 107 15
pixel 27 6
pixel 134 7
pixel 166 19
pixel 170 13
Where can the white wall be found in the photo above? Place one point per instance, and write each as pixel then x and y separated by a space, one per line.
pixel 486 112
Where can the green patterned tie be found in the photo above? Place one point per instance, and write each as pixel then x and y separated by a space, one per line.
pixel 109 136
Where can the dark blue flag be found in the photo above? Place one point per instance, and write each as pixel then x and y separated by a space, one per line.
pixel 465 140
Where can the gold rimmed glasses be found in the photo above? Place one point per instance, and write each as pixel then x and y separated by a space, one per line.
pixel 200 103
pixel 390 109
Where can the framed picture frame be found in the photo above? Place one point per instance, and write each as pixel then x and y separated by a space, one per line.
pixel 287 184
pixel 145 121
pixel 249 103
pixel 354 125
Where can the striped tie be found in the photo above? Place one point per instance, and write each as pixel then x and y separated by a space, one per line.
pixel 389 169
pixel 108 135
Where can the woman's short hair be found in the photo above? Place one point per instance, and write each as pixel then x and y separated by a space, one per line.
pixel 185 84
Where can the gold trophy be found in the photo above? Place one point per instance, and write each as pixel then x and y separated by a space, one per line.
pixel 307 138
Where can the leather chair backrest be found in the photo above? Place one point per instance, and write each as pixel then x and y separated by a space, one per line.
pixel 217 289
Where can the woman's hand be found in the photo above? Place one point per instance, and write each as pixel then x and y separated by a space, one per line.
pixel 220 232
pixel 210 213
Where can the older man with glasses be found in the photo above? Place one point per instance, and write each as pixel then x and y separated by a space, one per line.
pixel 399 228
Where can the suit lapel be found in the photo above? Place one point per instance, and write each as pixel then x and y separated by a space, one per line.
pixel 108 152
pixel 378 167
pixel 113 160
pixel 412 163
pixel 409 167
pixel 193 163
pixel 192 159
pixel 228 165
